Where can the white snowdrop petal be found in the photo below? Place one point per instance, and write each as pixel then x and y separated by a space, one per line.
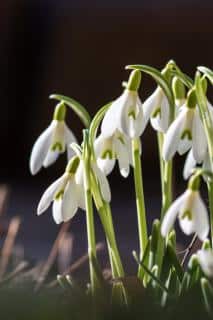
pixel 205 258
pixel 57 211
pixel 111 119
pixel 123 158
pixel 153 101
pixel 69 138
pixel 201 218
pixel 187 226
pixel 171 215
pixel 49 194
pixel 40 149
pixel 106 165
pixel 70 200
pixel 99 144
pixel 103 183
pixel 172 136
pixel 79 175
pixel 189 165
pixel 50 158
pixel 184 146
pixel 81 197
pixel 199 143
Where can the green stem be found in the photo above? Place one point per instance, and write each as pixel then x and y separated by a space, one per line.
pixel 141 212
pixel 166 189
pixel 210 194
pixel 89 216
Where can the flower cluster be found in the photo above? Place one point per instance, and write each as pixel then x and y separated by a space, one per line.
pixel 182 117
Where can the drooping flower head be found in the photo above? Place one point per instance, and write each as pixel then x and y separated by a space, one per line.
pixel 52 142
pixel 190 210
pixel 186 132
pixel 108 150
pixel 125 113
pixel 66 194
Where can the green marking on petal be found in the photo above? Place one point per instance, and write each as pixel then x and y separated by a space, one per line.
pixel 132 114
pixel 107 154
pixel 57 146
pixel 59 195
pixel 156 112
pixel 186 134
pixel 121 139
pixel 187 214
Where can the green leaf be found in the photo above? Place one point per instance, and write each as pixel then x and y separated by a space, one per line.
pixel 161 81
pixel 96 122
pixel 75 106
pixel 207 72
pixel 150 273
pixel 174 261
pixel 207 292
pixel 183 77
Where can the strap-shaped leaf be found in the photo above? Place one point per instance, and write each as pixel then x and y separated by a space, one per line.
pixel 161 81
pixel 75 106
pixel 97 120
pixel 150 273
pixel 207 72
pixel 174 261
pixel 182 76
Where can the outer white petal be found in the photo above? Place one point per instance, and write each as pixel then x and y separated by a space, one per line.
pixel 103 182
pixel 205 258
pixel 172 137
pixel 138 125
pixel 57 211
pixel 199 143
pixel 111 119
pixel 123 158
pixel 128 125
pixel 151 103
pixel 161 122
pixel 79 175
pixel 70 200
pixel 40 149
pixel 189 165
pixel 106 165
pixel 171 215
pixel 81 197
pixel 69 138
pixel 99 145
pixel 49 194
pixel 201 218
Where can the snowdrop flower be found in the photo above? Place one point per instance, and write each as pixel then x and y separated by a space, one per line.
pixel 156 108
pixel 186 132
pixel 65 193
pixel 191 212
pixel 107 150
pixel 125 113
pixel 205 259
pixel 191 163
pixel 100 177
pixel 52 142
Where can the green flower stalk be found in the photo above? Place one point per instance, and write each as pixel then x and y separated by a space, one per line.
pixel 89 214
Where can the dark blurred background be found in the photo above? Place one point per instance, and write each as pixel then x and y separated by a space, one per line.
pixel 80 48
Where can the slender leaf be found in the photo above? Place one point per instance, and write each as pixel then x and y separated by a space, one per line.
pixel 207 72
